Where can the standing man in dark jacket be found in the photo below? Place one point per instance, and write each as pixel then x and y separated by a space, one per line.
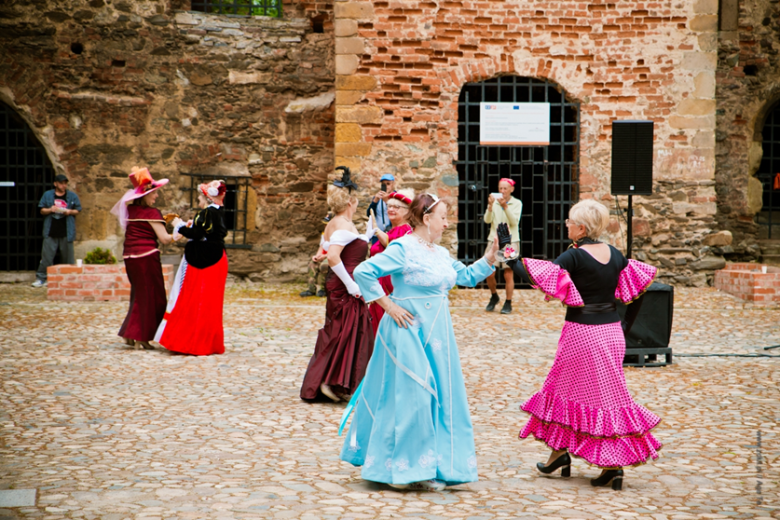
pixel 60 206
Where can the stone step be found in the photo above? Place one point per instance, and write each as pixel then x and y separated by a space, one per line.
pixel 769 247
pixel 770 259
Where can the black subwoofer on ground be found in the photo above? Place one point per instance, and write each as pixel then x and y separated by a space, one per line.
pixel 647 343
pixel 632 157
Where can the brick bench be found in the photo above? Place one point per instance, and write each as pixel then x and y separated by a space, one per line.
pixel 748 282
pixel 91 283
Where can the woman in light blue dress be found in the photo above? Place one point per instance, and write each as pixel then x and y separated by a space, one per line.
pixel 411 427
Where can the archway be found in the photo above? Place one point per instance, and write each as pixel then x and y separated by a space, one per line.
pixel 769 217
pixel 546 176
pixel 24 162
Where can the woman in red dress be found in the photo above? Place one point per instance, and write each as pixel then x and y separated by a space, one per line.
pixel 193 320
pixel 345 343
pixel 398 210
pixel 144 228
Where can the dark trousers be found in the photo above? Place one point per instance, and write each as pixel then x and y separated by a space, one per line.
pixel 49 250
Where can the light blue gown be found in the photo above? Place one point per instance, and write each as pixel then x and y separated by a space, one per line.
pixel 411 422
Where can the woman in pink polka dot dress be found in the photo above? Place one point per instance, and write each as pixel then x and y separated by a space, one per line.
pixel 584 408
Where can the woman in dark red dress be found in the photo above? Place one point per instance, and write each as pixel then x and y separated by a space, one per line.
pixel 144 228
pixel 345 343
pixel 193 320
pixel 398 210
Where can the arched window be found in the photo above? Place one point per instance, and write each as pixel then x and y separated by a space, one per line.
pixel 23 162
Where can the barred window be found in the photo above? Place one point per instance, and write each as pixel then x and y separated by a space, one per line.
pixel 236 206
pixel 239 7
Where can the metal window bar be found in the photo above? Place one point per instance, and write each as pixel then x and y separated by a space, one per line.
pixel 24 162
pixel 547 177
pixel 245 8
pixel 769 168
pixel 235 205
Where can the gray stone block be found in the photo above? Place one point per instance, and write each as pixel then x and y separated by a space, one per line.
pixel 17 497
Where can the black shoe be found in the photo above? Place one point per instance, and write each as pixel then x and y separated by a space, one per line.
pixel 615 476
pixel 563 461
pixel 307 292
pixel 321 293
pixel 507 308
pixel 493 302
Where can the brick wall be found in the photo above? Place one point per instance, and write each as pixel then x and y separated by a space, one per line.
pixel 747 282
pixel 400 68
pixel 94 282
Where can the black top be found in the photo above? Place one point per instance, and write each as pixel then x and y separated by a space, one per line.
pixel 596 282
pixel 59 227
pixel 207 238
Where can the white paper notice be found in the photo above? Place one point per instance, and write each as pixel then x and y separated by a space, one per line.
pixel 514 124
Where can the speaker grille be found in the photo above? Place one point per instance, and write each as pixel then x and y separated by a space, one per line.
pixel 632 157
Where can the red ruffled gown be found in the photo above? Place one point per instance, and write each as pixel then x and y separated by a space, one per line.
pixel 584 405
pixel 345 343
pixel 374 308
pixel 193 321
pixel 144 270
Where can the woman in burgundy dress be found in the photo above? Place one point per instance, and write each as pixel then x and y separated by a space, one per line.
pixel 398 210
pixel 345 343
pixel 193 319
pixel 144 228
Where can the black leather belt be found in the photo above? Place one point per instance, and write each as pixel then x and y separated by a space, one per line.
pixel 592 308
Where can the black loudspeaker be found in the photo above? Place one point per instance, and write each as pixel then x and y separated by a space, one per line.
pixel 647 343
pixel 632 158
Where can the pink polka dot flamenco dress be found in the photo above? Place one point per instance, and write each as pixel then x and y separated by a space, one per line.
pixel 584 407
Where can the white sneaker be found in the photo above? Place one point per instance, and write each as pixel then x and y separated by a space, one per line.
pixel 399 486
pixel 39 283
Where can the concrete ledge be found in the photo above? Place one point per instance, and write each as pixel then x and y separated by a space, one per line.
pixel 17 276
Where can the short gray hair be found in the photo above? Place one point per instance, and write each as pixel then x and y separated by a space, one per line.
pixel 591 214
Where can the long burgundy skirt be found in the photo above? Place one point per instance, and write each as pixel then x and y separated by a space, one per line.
pixel 345 343
pixel 194 323
pixel 147 297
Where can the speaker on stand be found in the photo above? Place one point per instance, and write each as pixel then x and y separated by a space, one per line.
pixel 632 174
pixel 632 165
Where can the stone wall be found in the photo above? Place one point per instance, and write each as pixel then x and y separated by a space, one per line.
pixel 400 68
pixel 110 84
pixel 748 86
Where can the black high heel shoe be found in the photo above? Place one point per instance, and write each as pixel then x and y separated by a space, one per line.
pixel 611 475
pixel 562 461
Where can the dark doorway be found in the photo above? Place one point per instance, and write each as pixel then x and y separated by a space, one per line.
pixel 546 176
pixel 24 162
pixel 769 216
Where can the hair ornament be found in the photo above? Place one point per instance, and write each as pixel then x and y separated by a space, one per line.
pixel 346 179
pixel 508 181
pixel 436 200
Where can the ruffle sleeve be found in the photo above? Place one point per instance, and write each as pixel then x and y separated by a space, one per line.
pixel 634 280
pixel 553 281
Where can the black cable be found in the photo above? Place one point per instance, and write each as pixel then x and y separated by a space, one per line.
pixel 773 346
pixel 727 355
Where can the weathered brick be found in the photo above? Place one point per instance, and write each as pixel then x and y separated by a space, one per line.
pixel 348 133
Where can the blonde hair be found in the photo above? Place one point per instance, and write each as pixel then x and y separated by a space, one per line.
pixel 591 214
pixel 339 198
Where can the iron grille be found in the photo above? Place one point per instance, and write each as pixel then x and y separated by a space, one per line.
pixel 239 7
pixel 234 205
pixel 769 168
pixel 546 176
pixel 24 162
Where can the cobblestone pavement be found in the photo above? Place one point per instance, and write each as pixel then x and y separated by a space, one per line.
pixel 103 431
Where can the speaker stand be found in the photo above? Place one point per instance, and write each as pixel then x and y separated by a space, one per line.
pixel 629 225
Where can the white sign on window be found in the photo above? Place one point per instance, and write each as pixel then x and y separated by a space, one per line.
pixel 514 124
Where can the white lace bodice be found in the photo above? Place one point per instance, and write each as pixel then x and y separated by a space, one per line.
pixel 425 267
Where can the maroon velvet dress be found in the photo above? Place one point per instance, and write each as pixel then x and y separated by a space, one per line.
pixel 345 343
pixel 374 308
pixel 144 270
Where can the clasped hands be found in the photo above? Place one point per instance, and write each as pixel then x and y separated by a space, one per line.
pixel 504 239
